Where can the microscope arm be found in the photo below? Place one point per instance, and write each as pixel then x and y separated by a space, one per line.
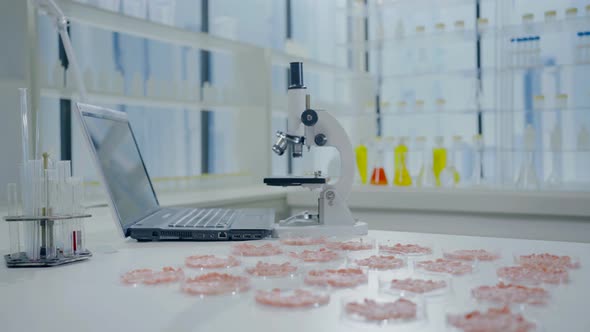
pixel 327 131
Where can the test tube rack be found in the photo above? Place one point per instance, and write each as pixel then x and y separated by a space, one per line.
pixel 49 228
pixel 48 244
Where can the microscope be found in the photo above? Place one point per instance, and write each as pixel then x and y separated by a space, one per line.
pixel 317 128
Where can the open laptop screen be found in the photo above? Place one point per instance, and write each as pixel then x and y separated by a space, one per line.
pixel 120 161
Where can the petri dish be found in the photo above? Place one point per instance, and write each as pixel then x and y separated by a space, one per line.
pixel 376 261
pixel 409 249
pixel 384 311
pixel 471 255
pixel 416 285
pixel 443 266
pixel 348 244
pixel 300 298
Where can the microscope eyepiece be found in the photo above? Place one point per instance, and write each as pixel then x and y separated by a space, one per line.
pixel 296 75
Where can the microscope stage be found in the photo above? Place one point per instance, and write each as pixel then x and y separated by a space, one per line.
pixel 293 181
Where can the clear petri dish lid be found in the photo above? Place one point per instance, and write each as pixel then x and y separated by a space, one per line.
pixel 297 240
pixel 256 249
pixel 383 310
pixel 554 259
pixel 489 318
pixel 517 297
pixel 295 298
pixel 406 248
pixel 376 261
pixel 212 262
pixel 414 284
pixel 470 255
pixel 444 266
pixel 317 256
pixel 531 275
pixel 273 268
pixel 336 278
pixel 151 276
pixel 351 244
pixel 215 284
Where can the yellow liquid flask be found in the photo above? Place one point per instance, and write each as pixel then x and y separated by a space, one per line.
pixel 378 176
pixel 449 177
pixel 361 161
pixel 439 158
pixel 401 174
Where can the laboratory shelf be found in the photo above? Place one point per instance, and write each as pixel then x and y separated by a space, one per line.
pixel 467 73
pixel 363 11
pixel 571 25
pixel 112 21
pixel 486 71
pixel 412 112
pixel 421 39
pixel 546 67
pixel 143 101
pixel 432 113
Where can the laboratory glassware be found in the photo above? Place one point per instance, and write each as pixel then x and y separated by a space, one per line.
pixel 477 173
pixel 361 152
pixel 425 177
pixel 439 158
pixel 37 234
pixel 401 175
pixel 378 176
pixel 449 176
pixel 555 177
pixel 527 176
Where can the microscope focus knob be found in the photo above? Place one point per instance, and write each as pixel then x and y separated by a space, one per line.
pixel 309 117
pixel 320 139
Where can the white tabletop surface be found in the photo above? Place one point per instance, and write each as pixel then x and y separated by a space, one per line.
pixel 88 296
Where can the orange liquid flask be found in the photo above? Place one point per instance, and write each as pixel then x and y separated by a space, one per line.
pixel 378 177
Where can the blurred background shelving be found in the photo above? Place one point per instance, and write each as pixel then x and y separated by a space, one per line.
pixel 205 75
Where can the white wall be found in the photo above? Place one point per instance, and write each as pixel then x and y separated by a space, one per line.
pixel 13 75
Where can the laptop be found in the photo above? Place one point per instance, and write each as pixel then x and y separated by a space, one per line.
pixel 132 198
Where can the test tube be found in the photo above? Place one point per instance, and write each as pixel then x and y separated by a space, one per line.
pixel 67 226
pixel 78 236
pixel 48 249
pixel 402 106
pixel 537 51
pixel 24 113
pixel 440 104
pixel 483 23
pixel 579 47
pixel 571 12
pixel 539 102
pixel 528 18
pixel 561 100
pixel 419 107
pixel 64 172
pixel 550 16
pixel 13 226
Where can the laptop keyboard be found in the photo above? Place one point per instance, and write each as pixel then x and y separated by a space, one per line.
pixel 204 218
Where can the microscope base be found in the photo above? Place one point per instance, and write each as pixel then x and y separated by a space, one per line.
pixel 359 228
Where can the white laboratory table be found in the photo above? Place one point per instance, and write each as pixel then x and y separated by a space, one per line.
pixel 89 297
